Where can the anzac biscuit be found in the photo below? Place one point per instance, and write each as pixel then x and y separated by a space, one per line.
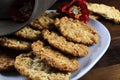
pixel 52 15
pixel 14 43
pixel 93 16
pixel 28 33
pixel 106 11
pixel 62 44
pixel 54 58
pixel 76 31
pixel 35 69
pixel 44 21
pixel 6 62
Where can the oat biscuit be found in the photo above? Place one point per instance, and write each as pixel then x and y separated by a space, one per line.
pixel 106 11
pixel 54 58
pixel 76 31
pixel 6 62
pixel 52 15
pixel 28 33
pixel 44 21
pixel 93 16
pixel 35 69
pixel 62 44
pixel 14 43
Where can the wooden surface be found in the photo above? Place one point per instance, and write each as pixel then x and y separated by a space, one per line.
pixel 108 67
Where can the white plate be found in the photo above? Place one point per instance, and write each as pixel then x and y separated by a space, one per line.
pixel 96 51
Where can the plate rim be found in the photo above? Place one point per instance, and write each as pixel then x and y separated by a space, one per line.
pixel 89 67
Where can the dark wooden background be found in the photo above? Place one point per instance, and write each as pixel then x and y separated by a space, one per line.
pixel 108 67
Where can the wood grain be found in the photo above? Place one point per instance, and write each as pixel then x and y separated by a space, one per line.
pixel 105 73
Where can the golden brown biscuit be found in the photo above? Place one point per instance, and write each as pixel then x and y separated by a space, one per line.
pixel 14 43
pixel 52 15
pixel 76 31
pixel 44 21
pixel 106 11
pixel 6 61
pixel 62 44
pixel 54 58
pixel 35 69
pixel 93 16
pixel 28 33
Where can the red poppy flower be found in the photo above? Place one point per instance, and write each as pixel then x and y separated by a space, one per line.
pixel 76 9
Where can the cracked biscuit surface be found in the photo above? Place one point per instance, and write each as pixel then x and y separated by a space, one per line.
pixel 35 69
pixel 76 31
pixel 14 43
pixel 54 58
pixel 28 33
pixel 65 46
pixel 44 21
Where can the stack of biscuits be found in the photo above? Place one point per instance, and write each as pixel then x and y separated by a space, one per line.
pixel 47 48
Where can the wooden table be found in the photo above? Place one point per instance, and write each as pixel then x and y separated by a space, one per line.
pixel 108 67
